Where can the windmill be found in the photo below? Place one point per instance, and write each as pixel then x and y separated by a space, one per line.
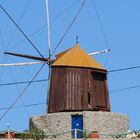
pixel 76 83
pixel 49 61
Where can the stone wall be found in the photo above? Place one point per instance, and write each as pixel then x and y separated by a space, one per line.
pixel 103 122
pixel 106 122
pixel 85 139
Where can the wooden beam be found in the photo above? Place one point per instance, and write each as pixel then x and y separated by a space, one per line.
pixel 29 56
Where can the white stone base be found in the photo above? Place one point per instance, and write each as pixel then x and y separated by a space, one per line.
pixel 103 122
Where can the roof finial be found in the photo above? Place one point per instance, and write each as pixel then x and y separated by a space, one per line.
pixel 77 39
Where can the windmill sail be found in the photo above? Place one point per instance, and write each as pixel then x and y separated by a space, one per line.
pixel 20 64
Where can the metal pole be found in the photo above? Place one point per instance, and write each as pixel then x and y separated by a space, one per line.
pixel 8 129
pixel 75 134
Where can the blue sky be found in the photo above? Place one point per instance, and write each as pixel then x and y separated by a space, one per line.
pixel 120 22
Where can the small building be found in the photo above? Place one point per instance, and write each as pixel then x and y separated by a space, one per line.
pixel 12 133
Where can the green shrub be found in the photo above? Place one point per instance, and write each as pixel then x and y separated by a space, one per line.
pixel 33 134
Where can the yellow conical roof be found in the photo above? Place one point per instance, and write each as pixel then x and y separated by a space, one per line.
pixel 76 57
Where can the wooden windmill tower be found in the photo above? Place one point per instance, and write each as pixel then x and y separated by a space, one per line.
pixel 78 83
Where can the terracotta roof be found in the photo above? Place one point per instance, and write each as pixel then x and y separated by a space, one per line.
pixel 76 57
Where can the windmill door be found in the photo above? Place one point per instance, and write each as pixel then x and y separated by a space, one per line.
pixel 77 124
pixel 99 88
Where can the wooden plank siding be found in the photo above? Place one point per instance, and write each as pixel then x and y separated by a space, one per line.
pixel 71 88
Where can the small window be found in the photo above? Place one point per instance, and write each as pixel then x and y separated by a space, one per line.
pixel 89 101
pixel 82 100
